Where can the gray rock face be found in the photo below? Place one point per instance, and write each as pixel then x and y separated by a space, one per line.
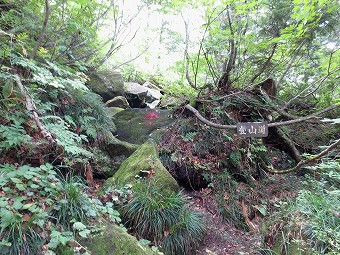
pixel 118 101
pixel 107 83
pixel 152 95
pixel 135 94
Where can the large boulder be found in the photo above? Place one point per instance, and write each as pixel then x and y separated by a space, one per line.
pixel 107 83
pixel 112 111
pixel 138 125
pixel 112 239
pixel 135 94
pixel 144 162
pixel 118 101
pixel 114 154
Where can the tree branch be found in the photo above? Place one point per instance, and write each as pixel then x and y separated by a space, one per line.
pixel 43 30
pixel 301 163
pixel 291 62
pixel 30 106
pixel 264 66
pixel 274 124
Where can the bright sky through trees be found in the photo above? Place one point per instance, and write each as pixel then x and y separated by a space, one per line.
pixel 152 28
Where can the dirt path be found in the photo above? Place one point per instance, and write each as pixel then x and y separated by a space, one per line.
pixel 221 238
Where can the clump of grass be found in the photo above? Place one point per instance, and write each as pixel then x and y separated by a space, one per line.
pixel 151 212
pixel 165 219
pixel 74 205
pixel 186 235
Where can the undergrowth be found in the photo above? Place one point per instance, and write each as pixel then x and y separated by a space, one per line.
pixel 164 219
pixel 41 212
pixel 45 203
pixel 310 223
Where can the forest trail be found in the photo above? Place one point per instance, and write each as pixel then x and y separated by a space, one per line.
pixel 221 237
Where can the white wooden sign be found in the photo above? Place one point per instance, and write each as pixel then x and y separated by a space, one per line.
pixel 252 129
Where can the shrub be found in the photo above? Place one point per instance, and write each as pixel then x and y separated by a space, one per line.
pixel 39 209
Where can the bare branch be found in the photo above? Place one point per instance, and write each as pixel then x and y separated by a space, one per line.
pixel 208 122
pixel 186 55
pixel 290 64
pixel 274 124
pixel 321 80
pixel 264 66
pixel 30 106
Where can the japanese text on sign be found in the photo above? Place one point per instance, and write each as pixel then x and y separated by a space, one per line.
pixel 252 129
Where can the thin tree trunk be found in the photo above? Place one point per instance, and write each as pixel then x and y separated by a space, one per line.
pixel 43 30
pixel 290 64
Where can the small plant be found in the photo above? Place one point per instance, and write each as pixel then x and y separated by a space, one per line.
pixel 74 205
pixel 151 212
pixel 184 236
pixel 165 219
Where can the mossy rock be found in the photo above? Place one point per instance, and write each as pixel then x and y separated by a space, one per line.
pixel 115 240
pixel 106 165
pixel 138 125
pixel 106 83
pixel 114 110
pixel 112 156
pixel 118 101
pixel 145 160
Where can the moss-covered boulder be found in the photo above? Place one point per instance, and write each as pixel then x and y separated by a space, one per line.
pixel 138 125
pixel 114 240
pixel 118 101
pixel 144 162
pixel 114 110
pixel 106 83
pixel 112 156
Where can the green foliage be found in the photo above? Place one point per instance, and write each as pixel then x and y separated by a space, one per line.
pixel 87 111
pixel 74 205
pixel 22 216
pixel 151 213
pixel 36 202
pixel 227 198
pixel 164 219
pixel 189 136
pixel 13 136
pixel 311 221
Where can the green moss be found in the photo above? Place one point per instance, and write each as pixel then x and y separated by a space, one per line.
pixel 145 158
pixel 116 147
pixel 114 110
pixel 114 240
pixel 135 125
